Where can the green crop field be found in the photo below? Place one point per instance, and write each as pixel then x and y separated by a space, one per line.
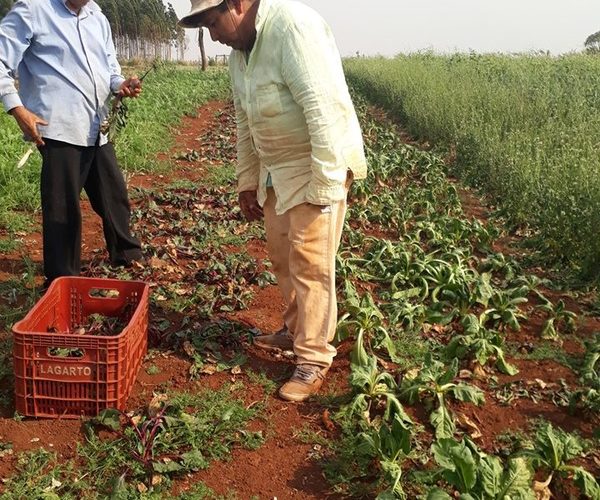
pixel 463 371
pixel 524 128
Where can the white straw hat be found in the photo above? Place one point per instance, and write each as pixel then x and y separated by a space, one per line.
pixel 198 6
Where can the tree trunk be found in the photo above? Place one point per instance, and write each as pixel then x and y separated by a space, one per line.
pixel 202 51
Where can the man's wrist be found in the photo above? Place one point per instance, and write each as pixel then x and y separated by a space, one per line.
pixel 115 84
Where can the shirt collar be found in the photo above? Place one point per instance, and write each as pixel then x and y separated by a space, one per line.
pixel 82 13
pixel 261 14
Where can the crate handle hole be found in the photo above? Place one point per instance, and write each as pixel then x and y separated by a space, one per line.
pixel 104 293
pixel 66 352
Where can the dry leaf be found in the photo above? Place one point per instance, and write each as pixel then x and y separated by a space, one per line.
pixel 156 404
pixel 327 422
pixel 236 370
pixel 157 263
pixel 438 328
pixel 210 358
pixel 189 349
pixel 467 423
pixel 479 372
pixel 209 369
pixel 136 264
pixel 55 483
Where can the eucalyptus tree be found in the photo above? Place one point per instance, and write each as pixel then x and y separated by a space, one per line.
pixel 144 29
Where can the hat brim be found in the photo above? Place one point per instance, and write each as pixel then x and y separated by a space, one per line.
pixel 191 20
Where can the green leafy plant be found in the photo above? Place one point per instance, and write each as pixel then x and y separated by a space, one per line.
pixel 405 313
pixel 590 369
pixel 559 318
pixel 500 264
pixel 177 434
pixel 478 476
pixel 434 381
pixel 504 310
pixel 552 452
pixel 390 444
pixel 215 346
pixel 373 389
pixel 589 396
pixel 365 320
pixel 142 434
pixel 480 342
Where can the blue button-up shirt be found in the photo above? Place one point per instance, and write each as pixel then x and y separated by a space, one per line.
pixel 66 66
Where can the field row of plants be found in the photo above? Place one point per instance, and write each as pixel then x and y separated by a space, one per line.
pixel 180 428
pixel 437 317
pixel 524 128
pixel 446 333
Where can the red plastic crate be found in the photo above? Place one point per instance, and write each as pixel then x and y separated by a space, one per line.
pixel 48 385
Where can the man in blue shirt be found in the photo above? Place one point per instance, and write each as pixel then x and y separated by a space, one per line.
pixel 63 54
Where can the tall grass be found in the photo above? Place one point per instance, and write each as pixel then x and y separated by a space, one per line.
pixel 19 188
pixel 169 93
pixel 525 128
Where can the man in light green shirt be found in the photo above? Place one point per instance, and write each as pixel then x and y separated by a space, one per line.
pixel 299 147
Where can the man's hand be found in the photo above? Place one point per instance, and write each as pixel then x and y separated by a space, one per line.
pixel 28 122
pixel 132 87
pixel 249 205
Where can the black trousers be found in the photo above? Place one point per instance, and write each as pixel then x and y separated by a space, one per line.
pixel 66 170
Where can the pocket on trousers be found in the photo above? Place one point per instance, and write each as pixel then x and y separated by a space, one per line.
pixel 324 209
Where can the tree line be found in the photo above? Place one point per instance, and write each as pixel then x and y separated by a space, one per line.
pixel 592 43
pixel 142 29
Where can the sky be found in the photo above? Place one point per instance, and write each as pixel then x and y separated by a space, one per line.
pixel 389 27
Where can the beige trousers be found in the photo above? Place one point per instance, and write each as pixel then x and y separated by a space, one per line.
pixel 302 245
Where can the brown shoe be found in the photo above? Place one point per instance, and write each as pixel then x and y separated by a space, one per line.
pixel 306 381
pixel 279 341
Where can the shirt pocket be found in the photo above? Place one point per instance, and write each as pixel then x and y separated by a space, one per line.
pixel 269 101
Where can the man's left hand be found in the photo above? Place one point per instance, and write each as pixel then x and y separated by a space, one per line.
pixel 132 87
pixel 249 205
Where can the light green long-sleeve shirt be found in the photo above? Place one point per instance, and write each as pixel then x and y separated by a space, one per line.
pixel 295 118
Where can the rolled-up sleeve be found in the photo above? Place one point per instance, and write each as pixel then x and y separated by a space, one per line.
pixel 311 68
pixel 15 37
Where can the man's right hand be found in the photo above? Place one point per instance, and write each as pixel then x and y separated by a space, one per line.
pixel 28 122
pixel 249 205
